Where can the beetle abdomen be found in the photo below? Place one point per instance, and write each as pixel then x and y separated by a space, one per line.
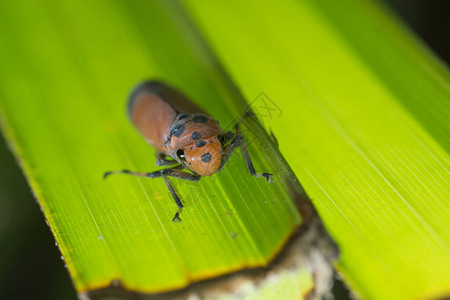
pixel 186 131
pixel 153 108
pixel 151 114
pixel 179 102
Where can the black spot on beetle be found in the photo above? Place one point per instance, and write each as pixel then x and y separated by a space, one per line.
pixel 177 130
pixel 196 135
pixel 182 116
pixel 200 119
pixel 206 157
pixel 200 144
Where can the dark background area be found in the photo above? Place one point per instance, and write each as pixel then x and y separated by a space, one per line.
pixel 30 263
pixel 429 19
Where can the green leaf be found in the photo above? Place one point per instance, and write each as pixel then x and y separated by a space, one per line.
pixel 66 70
pixel 365 127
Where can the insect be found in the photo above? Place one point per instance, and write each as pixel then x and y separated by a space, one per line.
pixel 184 135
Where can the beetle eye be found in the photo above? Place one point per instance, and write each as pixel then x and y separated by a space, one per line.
pixel 180 154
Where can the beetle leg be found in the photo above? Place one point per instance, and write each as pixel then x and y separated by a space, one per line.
pixel 226 137
pixel 138 174
pixel 176 173
pixel 251 168
pixel 173 172
pixel 180 206
pixel 164 173
pixel 161 160
pixel 237 141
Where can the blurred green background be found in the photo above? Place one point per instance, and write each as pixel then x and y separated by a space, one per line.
pixel 30 264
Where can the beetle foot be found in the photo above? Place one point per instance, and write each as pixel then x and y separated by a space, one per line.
pixel 176 218
pixel 268 177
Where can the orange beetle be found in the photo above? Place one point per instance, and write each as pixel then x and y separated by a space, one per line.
pixel 179 129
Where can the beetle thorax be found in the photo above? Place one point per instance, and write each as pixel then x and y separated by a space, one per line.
pixel 193 142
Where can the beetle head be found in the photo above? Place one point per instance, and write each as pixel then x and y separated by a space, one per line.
pixel 204 156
